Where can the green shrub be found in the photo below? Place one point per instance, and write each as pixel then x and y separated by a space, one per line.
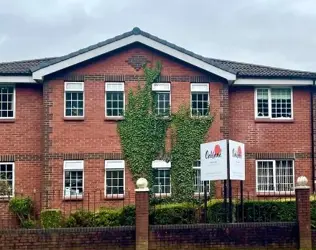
pixel 22 207
pixel 51 218
pixel 127 217
pixel 28 224
pixel 216 212
pixel 108 217
pixel 80 218
pixel 269 211
pixel 176 213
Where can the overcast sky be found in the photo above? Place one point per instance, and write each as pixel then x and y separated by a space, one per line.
pixel 279 33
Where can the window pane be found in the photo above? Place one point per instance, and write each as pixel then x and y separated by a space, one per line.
pixel 162 181
pixel 74 103
pixel 281 100
pixel 114 181
pixel 6 179
pixel 263 102
pixel 162 102
pixel 199 104
pixel 265 176
pixel 284 175
pixel 114 103
pixel 73 183
pixel 6 102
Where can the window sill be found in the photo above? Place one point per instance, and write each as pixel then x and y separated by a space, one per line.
pixel 73 198
pixel 73 118
pixel 268 120
pixel 158 195
pixel 114 197
pixel 5 198
pixel 273 194
pixel 118 118
pixel 167 118
pixel 7 120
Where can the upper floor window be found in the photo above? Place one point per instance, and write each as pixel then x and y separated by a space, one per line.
pixel 7 100
pixel 114 178
pixel 162 180
pixel 114 99
pixel 276 103
pixel 73 179
pixel 275 175
pixel 162 98
pixel 74 99
pixel 7 178
pixel 199 99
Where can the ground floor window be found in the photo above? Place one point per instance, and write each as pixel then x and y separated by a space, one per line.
pixel 114 178
pixel 6 178
pixel 73 179
pixel 275 175
pixel 198 184
pixel 162 179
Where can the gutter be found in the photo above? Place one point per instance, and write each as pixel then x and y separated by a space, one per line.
pixel 313 140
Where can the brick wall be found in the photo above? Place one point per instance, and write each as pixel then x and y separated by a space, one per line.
pixel 228 236
pixel 199 237
pixel 73 238
pixel 20 142
pixel 271 140
pixel 95 139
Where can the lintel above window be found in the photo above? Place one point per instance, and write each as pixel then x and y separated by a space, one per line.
pixel 163 86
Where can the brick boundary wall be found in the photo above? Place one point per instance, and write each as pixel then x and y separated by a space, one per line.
pixel 173 237
pixel 224 236
pixel 69 238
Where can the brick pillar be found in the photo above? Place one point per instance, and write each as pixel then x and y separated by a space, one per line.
pixel 303 212
pixel 142 214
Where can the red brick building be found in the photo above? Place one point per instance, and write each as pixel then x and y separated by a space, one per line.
pixel 58 118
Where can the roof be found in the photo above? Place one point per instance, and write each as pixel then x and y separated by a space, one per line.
pixel 242 70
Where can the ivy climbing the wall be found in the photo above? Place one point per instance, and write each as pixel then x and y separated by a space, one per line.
pixel 143 135
pixel 187 135
pixel 142 132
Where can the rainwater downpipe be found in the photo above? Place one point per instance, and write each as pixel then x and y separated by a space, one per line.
pixel 313 141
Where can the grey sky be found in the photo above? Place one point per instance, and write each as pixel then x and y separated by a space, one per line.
pixel 272 32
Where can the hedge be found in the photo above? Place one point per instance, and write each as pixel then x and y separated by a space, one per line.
pixel 186 213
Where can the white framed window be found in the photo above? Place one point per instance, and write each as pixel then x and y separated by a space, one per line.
pixel 7 102
pixel 162 98
pixel 114 99
pixel 198 184
pixel 274 103
pixel 114 178
pixel 7 179
pixel 73 179
pixel 275 175
pixel 199 99
pixel 74 99
pixel 162 179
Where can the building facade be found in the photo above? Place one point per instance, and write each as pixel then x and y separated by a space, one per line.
pixel 59 117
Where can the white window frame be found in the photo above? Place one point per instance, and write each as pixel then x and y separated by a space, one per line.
pixel 114 165
pixel 74 90
pixel 202 88
pixel 162 165
pixel 13 103
pixel 13 179
pixel 163 87
pixel 79 167
pixel 121 88
pixel 270 103
pixel 274 177
pixel 199 193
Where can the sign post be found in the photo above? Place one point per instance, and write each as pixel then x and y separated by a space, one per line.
pixel 223 160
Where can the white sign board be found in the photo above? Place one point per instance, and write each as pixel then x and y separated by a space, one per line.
pixel 213 160
pixel 237 160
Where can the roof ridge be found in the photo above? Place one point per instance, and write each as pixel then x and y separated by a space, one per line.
pixel 29 60
pixel 259 65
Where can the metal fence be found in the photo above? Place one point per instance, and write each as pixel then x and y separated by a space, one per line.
pixel 165 209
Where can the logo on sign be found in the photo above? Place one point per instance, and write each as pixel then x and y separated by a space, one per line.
pixel 216 152
pixel 237 153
